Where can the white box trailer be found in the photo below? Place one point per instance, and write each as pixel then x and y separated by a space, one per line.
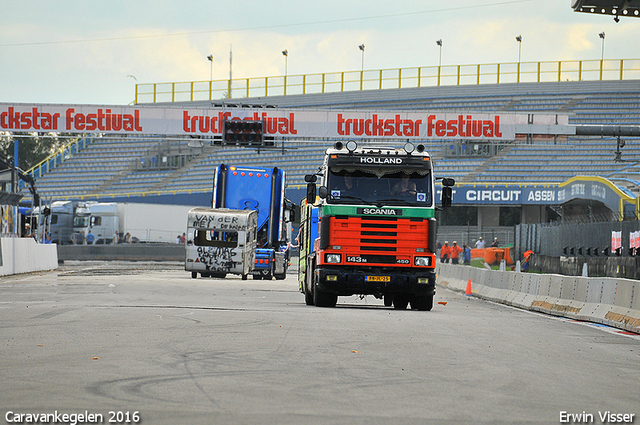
pixel 140 222
pixel 224 241
pixel 153 222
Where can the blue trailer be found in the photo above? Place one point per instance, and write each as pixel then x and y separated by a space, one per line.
pixel 260 189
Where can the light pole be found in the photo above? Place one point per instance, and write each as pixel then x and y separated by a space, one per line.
pixel 602 35
pixel 439 43
pixel 361 47
pixel 210 57
pixel 285 53
pixel 519 40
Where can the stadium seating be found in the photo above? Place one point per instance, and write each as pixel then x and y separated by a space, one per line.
pixel 116 165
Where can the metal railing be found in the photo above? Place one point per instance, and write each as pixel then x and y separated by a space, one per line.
pixel 430 76
pixel 58 157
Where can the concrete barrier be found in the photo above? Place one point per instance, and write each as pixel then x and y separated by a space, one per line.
pixel 610 301
pixel 130 252
pixel 24 255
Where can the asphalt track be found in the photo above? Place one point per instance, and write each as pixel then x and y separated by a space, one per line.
pixel 102 337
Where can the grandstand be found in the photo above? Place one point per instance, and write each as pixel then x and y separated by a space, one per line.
pixel 122 166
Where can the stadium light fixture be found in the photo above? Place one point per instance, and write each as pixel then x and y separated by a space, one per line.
pixel 361 47
pixel 439 43
pixel 519 40
pixel 602 36
pixel 285 53
pixel 210 57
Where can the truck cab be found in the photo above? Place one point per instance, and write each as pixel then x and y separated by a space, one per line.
pixel 372 229
pixel 221 241
pixel 261 190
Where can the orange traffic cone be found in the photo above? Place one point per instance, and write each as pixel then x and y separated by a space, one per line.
pixel 468 291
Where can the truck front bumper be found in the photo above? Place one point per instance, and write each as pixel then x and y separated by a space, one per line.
pixel 377 281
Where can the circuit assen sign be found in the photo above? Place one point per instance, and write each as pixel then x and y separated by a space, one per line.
pixel 278 122
pixel 583 187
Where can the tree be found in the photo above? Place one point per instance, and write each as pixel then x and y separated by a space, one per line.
pixel 32 148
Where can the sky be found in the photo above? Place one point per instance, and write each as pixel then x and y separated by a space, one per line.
pixel 88 52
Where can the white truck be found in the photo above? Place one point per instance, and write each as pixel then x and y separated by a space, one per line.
pixel 136 222
pixel 65 221
pixel 224 241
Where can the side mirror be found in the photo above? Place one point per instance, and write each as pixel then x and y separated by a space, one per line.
pixel 311 193
pixel 323 192
pixel 447 196
pixel 310 178
pixel 448 182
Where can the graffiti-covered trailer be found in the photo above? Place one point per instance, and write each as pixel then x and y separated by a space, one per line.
pixel 221 241
pixel 262 190
pixel 372 232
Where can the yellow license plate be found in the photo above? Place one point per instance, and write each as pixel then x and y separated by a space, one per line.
pixel 378 278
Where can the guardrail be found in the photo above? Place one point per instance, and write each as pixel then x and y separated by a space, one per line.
pixel 611 301
pixel 446 75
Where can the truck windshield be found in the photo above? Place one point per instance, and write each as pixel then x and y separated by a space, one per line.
pixel 407 187
pixel 214 238
pixel 81 221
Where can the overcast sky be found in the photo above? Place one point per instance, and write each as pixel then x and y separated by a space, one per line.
pixel 86 51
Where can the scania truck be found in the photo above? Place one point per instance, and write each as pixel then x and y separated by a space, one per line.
pixel 372 229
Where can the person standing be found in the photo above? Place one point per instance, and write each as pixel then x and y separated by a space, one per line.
pixel 495 243
pixel 444 252
pixel 480 243
pixel 466 254
pixel 90 238
pixel 455 253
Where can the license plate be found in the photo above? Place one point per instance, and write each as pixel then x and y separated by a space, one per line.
pixel 378 278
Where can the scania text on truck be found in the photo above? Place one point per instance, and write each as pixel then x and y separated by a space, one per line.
pixel 372 228
pixel 260 189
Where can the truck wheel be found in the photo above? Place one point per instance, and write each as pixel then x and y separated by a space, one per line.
pixel 400 301
pixel 194 275
pixel 422 303
pixel 388 300
pixel 280 276
pixel 244 277
pixel 323 299
pixel 308 285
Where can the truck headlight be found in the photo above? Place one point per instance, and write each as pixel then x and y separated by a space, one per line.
pixel 422 261
pixel 333 258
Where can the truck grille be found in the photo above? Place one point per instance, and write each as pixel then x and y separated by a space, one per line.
pixel 378 240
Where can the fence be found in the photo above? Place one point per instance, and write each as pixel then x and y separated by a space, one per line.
pixel 446 75
pixel 565 248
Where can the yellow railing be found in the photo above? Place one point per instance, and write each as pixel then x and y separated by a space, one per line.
pixel 429 76
pixel 58 157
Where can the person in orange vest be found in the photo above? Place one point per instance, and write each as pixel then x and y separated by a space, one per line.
pixel 444 252
pixel 455 251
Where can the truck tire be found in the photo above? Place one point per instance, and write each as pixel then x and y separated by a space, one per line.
pixel 308 284
pixel 244 277
pixel 282 276
pixel 322 298
pixel 422 303
pixel 194 275
pixel 388 300
pixel 400 301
